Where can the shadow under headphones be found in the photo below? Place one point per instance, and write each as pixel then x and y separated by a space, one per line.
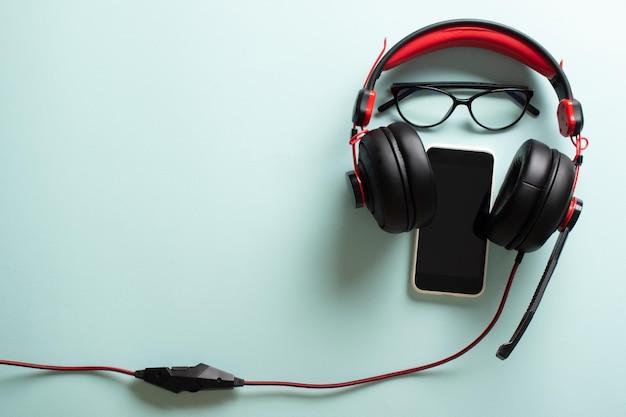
pixel 393 176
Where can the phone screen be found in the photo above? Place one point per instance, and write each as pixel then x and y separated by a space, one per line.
pixel 451 251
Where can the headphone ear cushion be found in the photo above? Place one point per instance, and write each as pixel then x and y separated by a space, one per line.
pixel 533 199
pixel 382 184
pixel 554 208
pixel 394 169
pixel 419 173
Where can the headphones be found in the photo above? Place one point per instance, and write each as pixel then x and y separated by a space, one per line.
pixel 392 175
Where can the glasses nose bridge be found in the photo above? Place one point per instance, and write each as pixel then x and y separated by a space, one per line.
pixel 467 102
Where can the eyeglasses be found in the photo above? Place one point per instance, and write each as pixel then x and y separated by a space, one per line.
pixel 425 105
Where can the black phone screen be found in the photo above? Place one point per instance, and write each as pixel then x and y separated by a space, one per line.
pixel 451 251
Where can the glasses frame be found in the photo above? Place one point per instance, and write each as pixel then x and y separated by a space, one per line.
pixel 397 90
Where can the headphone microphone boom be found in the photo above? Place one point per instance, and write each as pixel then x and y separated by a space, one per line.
pixel 505 349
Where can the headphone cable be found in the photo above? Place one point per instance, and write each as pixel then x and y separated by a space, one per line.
pixel 204 377
pixel 67 368
pixel 390 375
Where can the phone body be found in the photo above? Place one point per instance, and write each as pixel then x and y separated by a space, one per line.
pixel 450 255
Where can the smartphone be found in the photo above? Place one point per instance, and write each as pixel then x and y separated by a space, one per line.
pixel 450 254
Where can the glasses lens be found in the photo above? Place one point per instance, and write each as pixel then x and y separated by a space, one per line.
pixel 499 109
pixel 423 106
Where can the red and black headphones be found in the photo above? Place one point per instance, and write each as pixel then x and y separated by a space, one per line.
pixel 392 175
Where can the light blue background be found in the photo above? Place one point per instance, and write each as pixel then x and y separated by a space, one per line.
pixel 172 191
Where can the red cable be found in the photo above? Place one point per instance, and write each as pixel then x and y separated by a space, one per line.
pixel 505 295
pixel 68 368
pixel 581 144
pixel 380 55
pixel 410 370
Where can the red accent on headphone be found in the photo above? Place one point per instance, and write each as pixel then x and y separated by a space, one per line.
pixel 354 140
pixel 477 37
pixel 371 99
pixel 567 118
pixel 570 213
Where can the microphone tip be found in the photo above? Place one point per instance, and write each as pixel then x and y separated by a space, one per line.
pixel 504 351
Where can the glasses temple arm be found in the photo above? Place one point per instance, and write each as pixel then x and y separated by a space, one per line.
pixel 401 96
pixel 521 101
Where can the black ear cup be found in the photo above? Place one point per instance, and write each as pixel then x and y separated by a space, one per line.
pixel 399 188
pixel 397 178
pixel 534 198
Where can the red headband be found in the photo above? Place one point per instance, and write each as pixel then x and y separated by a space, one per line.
pixel 473 36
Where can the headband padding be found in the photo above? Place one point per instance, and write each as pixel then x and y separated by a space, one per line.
pixel 478 37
